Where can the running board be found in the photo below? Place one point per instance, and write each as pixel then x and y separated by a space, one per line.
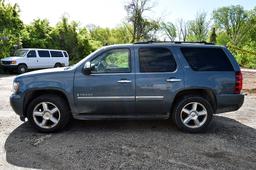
pixel 111 117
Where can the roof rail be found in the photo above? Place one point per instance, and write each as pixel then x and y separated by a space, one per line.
pixel 191 42
pixel 176 42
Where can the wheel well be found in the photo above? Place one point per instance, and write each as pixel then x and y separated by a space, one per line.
pixel 57 64
pixel 207 94
pixel 22 64
pixel 33 94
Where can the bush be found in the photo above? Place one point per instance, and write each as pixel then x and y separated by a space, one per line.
pixel 246 60
pixel 245 56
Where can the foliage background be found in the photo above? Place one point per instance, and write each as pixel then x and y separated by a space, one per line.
pixel 232 26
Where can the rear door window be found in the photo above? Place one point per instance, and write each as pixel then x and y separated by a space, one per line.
pixel 207 59
pixel 56 54
pixel 156 60
pixel 43 53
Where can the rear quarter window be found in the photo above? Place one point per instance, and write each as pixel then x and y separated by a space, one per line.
pixel 207 59
pixel 56 54
pixel 65 54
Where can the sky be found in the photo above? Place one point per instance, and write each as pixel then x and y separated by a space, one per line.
pixel 111 13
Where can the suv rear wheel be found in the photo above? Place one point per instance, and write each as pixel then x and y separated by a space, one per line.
pixel 192 114
pixel 48 113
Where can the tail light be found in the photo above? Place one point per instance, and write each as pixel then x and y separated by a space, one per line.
pixel 239 82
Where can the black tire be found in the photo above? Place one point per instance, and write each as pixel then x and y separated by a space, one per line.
pixel 22 68
pixel 177 114
pixel 57 65
pixel 61 104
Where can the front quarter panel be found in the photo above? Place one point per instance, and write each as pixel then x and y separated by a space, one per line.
pixel 60 81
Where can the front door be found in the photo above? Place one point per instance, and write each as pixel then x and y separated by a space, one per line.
pixel 110 88
pixel 157 80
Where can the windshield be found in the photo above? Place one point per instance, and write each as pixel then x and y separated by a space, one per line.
pixel 82 61
pixel 20 53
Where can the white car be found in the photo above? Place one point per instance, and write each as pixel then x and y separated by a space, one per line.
pixel 33 58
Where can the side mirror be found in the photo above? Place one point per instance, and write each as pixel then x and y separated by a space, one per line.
pixel 87 68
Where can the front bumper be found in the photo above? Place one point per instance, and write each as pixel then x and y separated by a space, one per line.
pixel 229 102
pixel 9 67
pixel 16 102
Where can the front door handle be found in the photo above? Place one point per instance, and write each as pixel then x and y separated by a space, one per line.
pixel 173 80
pixel 124 81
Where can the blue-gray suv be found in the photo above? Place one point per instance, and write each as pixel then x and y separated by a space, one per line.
pixel 187 82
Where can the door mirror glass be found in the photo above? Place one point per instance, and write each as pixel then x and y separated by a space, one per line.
pixel 87 68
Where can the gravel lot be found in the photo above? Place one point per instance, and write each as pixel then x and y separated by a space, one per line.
pixel 230 142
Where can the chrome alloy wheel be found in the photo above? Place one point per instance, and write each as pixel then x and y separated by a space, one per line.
pixel 46 115
pixel 193 115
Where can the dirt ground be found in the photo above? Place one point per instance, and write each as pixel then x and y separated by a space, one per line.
pixel 229 143
pixel 249 82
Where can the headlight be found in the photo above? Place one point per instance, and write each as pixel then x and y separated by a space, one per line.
pixel 15 87
pixel 13 62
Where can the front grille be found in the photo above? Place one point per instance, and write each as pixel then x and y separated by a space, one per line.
pixel 6 62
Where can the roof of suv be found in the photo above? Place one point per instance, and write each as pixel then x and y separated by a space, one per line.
pixel 167 43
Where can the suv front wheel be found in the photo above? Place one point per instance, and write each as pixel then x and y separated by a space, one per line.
pixel 22 68
pixel 192 114
pixel 48 113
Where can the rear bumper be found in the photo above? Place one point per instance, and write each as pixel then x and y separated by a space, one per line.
pixel 229 102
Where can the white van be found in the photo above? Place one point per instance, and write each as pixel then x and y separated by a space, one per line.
pixel 34 58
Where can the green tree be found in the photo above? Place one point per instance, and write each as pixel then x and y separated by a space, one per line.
pixel 65 36
pixel 235 21
pixel 198 28
pixel 37 34
pixel 10 28
pixel 142 28
pixel 103 35
pixel 222 38
pixel 107 36
pixel 182 30
pixel 170 30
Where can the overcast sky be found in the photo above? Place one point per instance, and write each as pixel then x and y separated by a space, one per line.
pixel 110 13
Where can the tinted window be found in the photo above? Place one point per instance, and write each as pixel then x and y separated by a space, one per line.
pixel 207 59
pixel 113 61
pixel 156 60
pixel 65 54
pixel 31 54
pixel 43 53
pixel 56 54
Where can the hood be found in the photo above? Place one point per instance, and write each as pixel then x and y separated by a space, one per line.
pixel 45 71
pixel 10 58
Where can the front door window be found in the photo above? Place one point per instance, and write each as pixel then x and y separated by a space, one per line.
pixel 113 61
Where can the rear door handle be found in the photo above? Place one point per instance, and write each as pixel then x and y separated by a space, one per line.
pixel 173 80
pixel 124 81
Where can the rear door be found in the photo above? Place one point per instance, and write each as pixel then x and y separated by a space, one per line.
pixel 44 59
pixel 158 77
